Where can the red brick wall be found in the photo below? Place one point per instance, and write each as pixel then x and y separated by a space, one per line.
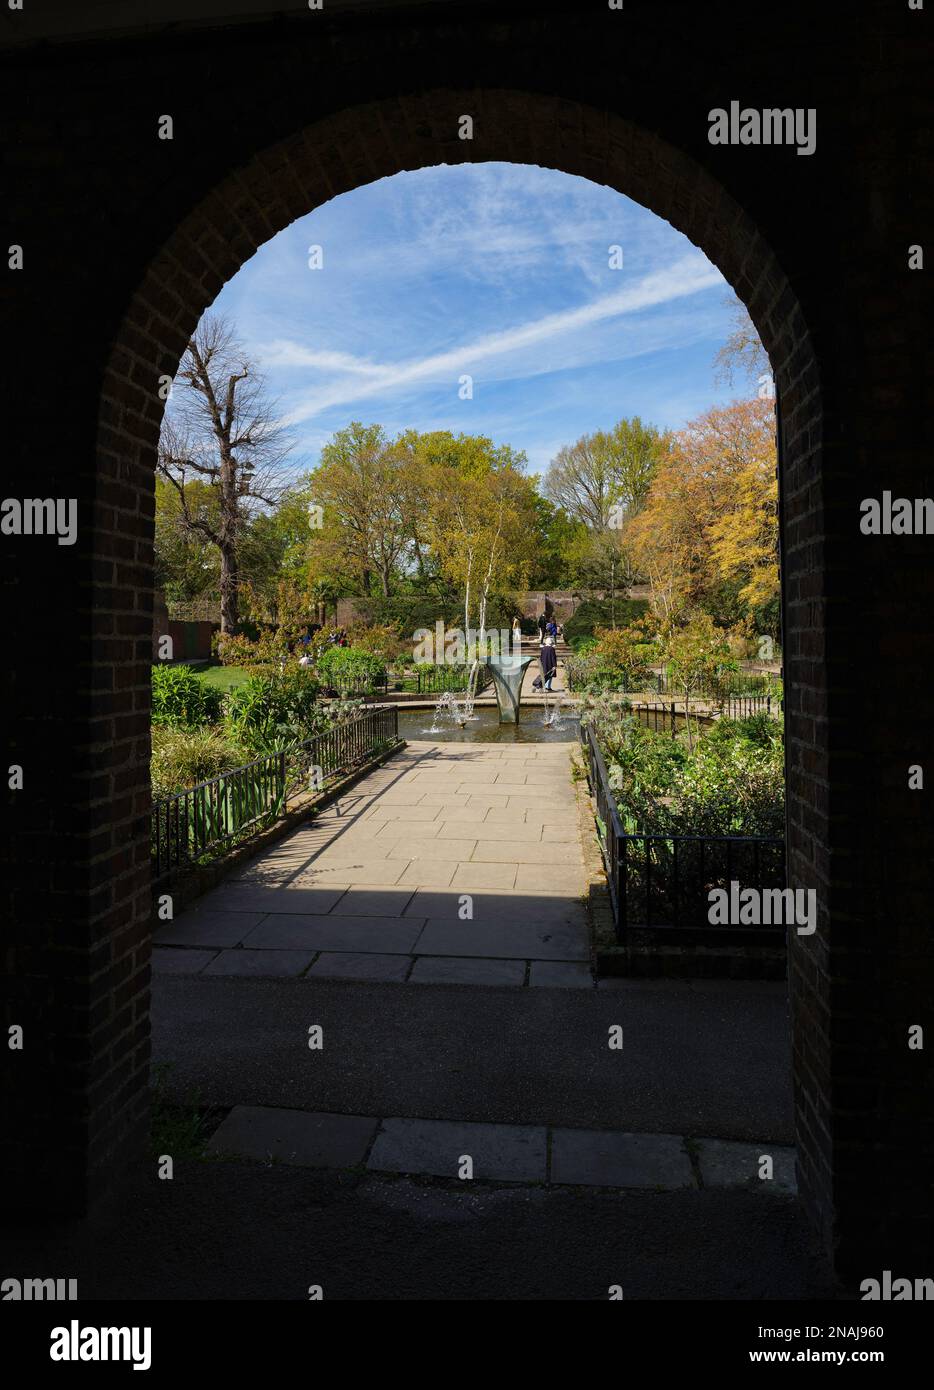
pixel 133 237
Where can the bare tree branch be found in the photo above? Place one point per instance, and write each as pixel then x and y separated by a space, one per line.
pixel 221 427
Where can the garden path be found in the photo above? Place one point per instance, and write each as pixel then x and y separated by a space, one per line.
pixel 452 862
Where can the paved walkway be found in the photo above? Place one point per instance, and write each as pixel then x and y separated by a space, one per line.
pixel 451 863
pixel 708 1057
pixel 500 1153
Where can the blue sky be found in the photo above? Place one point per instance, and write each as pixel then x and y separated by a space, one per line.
pixel 500 271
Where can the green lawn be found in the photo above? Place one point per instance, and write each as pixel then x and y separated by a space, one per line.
pixel 223 677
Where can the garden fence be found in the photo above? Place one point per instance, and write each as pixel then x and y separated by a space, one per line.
pixel 201 819
pixel 441 679
pixel 664 880
pixel 728 685
pixel 345 687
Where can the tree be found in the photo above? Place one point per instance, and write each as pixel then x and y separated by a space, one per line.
pixel 364 487
pixel 742 355
pixel 580 480
pixel 745 537
pixel 707 518
pixel 187 563
pixel 556 537
pixel 275 546
pixel 220 428
pixel 605 477
pixel 481 520
pixel 693 654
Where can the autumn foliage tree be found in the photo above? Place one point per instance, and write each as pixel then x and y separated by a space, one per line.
pixel 710 519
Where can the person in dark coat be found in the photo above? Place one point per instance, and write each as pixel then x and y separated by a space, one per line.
pixel 549 660
pixel 542 624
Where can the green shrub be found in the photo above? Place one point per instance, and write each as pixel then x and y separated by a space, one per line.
pixel 275 710
pixel 182 758
pixel 760 730
pixel 736 788
pixel 345 667
pixel 610 660
pixel 266 650
pixel 730 783
pixel 181 699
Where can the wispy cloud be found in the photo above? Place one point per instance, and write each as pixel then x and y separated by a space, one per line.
pixel 685 277
pixel 496 270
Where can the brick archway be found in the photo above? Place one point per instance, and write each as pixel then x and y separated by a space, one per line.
pixel 368 142
pixel 127 238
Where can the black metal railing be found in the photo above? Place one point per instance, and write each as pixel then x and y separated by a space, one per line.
pixel 344 687
pixel 665 880
pixel 743 706
pixel 728 685
pixel 662 719
pixel 441 679
pixel 208 817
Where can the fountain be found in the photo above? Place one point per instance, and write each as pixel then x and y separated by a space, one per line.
pixel 456 711
pixel 508 673
pixel 553 717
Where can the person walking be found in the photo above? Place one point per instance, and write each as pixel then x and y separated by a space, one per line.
pixel 549 660
pixel 542 624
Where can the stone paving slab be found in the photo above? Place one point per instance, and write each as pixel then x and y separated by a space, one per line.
pixel 386 935
pixel 271 964
pixel 727 1163
pixel 550 878
pixel 509 1153
pixel 360 965
pixel 448 936
pixel 415 848
pixel 539 909
pixel 525 852
pixel 452 816
pixel 499 1152
pixel 374 902
pixel 393 832
pixel 484 831
pixel 466 970
pixel 294 1136
pixel 469 876
pixel 208 929
pixel 601 1158
pixel 355 845
pixel 422 873
pixel 264 900
pixel 378 873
